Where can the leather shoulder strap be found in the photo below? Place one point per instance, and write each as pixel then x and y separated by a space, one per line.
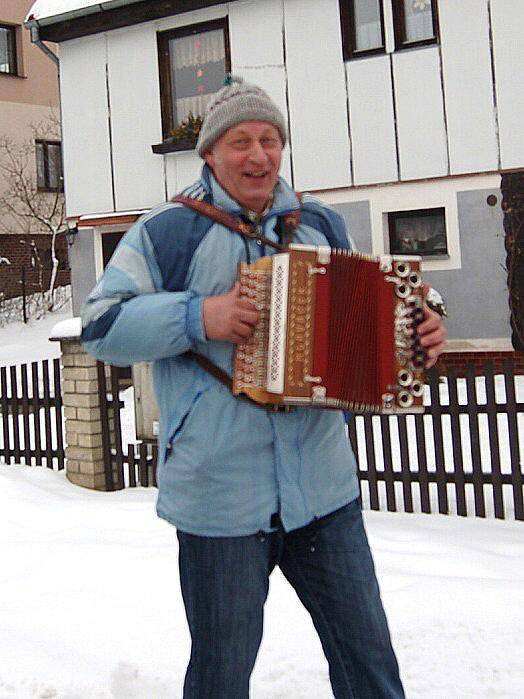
pixel 291 220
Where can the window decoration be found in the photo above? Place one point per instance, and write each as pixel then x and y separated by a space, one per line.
pixel 49 175
pixel 362 24
pixel 193 64
pixel 418 232
pixel 415 22
pixel 8 63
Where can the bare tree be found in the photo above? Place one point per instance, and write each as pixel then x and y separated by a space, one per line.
pixel 24 207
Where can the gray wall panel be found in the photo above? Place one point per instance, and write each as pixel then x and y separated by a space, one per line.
pixel 358 220
pixel 476 295
pixel 82 261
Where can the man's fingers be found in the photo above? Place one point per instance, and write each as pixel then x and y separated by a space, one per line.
pixel 241 332
pixel 249 316
pixel 235 290
pixel 435 337
pixel 433 354
pixel 431 322
pixel 246 304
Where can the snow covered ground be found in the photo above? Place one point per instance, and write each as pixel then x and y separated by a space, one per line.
pixel 21 343
pixel 91 609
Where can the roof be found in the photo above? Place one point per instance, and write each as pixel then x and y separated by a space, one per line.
pixel 60 20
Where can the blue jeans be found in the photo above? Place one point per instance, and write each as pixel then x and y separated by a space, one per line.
pixel 225 583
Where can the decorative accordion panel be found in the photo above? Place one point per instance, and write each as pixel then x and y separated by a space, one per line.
pixel 336 330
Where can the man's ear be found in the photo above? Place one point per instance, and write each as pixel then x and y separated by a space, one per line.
pixel 209 158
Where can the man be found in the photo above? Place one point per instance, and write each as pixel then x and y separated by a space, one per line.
pixel 246 488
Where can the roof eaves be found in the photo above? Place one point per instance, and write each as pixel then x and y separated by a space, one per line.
pixel 109 15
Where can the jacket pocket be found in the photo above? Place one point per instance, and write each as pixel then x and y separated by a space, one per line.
pixel 180 422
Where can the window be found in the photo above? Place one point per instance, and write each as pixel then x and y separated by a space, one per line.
pixel 415 22
pixel 364 32
pixel 49 166
pixel 362 24
pixel 419 232
pixel 193 64
pixel 8 50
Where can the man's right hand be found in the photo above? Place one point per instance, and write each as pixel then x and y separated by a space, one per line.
pixel 229 317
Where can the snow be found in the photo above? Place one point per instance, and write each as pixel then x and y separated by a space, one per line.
pixel 50 8
pixel 91 607
pixel 43 9
pixel 21 343
pixel 68 328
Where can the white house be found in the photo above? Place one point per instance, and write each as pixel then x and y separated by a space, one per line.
pixel 402 114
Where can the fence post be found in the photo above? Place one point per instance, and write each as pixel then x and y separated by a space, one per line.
pixel 80 393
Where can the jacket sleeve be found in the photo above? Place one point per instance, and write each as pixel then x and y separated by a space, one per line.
pixel 129 317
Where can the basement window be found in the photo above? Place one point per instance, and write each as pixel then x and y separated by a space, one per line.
pixel 419 232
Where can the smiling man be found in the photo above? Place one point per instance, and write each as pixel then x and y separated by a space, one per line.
pixel 247 489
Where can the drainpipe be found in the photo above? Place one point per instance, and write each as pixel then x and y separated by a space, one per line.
pixel 35 39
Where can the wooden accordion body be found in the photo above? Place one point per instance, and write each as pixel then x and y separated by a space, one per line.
pixel 336 330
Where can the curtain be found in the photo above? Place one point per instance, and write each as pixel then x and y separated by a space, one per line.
pixel 197 70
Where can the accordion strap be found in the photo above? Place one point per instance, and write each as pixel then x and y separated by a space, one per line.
pixel 291 220
pixel 225 379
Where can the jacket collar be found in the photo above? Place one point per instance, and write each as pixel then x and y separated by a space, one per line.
pixel 284 198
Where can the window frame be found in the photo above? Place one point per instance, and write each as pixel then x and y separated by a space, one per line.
pixel 348 29
pixel 393 216
pixel 46 187
pixel 399 27
pixel 164 69
pixel 13 30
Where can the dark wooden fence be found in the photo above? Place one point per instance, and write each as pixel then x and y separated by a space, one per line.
pixel 32 426
pixel 462 456
pixel 129 464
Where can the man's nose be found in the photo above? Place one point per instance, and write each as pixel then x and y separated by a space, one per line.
pixel 257 154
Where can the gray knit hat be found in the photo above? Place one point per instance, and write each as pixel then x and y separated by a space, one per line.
pixel 236 102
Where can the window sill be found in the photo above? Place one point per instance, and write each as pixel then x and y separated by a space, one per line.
pixel 13 75
pixel 166 147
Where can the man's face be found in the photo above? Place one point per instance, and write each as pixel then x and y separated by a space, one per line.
pixel 246 160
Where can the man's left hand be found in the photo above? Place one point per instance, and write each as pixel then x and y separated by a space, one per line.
pixel 432 335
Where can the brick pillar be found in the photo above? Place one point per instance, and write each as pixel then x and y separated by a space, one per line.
pixel 84 453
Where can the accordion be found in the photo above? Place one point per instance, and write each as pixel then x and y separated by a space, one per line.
pixel 336 330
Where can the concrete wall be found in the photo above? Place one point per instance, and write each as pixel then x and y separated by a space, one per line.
pixel 476 294
pixel 82 261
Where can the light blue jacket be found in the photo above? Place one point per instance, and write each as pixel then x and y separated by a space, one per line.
pixel 225 466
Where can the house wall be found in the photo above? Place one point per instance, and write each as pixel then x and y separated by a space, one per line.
pixel 475 293
pixel 420 126
pixel 432 111
pixel 29 98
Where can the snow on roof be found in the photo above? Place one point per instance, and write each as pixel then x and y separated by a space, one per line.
pixel 48 8
pixel 50 11
pixel 69 328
